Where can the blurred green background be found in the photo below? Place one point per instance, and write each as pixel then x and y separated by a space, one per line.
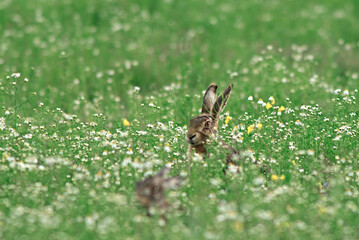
pixel 96 51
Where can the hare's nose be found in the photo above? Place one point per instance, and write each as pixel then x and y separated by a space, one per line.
pixel 191 137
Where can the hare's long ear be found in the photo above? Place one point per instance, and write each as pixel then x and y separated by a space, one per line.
pixel 221 102
pixel 160 176
pixel 209 98
pixel 163 172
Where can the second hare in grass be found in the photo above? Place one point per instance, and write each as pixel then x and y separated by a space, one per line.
pixel 151 191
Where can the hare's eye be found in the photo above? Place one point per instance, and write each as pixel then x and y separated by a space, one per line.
pixel 207 123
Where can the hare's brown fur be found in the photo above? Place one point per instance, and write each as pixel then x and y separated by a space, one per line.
pixel 202 127
pixel 151 191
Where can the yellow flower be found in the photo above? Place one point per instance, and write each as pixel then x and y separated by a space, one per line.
pixel 281 109
pixel 228 118
pixel 322 210
pixel 272 99
pixel 238 226
pixel 274 177
pixel 250 128
pixel 268 105
pixel 126 122
pixel 259 126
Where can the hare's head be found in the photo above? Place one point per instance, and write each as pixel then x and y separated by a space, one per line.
pixel 202 127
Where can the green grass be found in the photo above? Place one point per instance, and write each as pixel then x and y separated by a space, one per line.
pixel 68 163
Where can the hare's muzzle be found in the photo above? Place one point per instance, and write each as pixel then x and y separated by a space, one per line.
pixel 191 137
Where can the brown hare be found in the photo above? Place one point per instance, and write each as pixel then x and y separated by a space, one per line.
pixel 151 191
pixel 202 127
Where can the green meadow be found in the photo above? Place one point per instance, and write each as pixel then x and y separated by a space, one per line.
pixel 96 95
